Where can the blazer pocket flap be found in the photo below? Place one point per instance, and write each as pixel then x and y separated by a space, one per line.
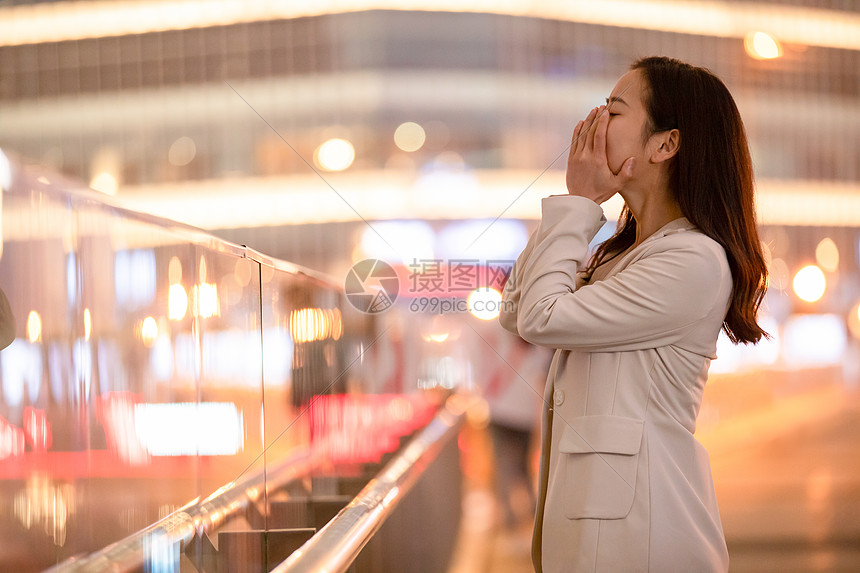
pixel 602 434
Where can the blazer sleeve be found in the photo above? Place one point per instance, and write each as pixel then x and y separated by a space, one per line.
pixel 588 228
pixel 649 304
pixel 511 292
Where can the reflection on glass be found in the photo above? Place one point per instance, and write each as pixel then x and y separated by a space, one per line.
pixel 45 505
pixel 134 273
pixel 189 429
pixel 204 300
pixel 361 428
pixel 11 440
pixel 37 429
pixel 854 321
pixel 88 324
pixel 177 302
pixel 34 326
pixel 148 331
pixel 21 365
pixel 116 414
pixel 310 324
pixel 174 270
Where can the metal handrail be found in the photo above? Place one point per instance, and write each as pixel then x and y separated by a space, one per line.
pixel 195 518
pixel 334 547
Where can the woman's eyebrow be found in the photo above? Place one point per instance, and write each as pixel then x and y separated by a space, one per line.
pixel 612 100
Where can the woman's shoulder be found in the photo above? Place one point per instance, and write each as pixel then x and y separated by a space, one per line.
pixel 690 247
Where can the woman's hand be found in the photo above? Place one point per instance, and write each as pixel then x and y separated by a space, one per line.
pixel 588 173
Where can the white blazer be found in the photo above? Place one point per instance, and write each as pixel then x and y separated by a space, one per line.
pixel 624 485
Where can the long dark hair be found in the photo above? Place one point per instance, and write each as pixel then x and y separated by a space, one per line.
pixel 711 178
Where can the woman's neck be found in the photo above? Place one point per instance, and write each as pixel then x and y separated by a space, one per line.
pixel 652 211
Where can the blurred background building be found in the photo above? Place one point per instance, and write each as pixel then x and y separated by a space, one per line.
pixel 329 132
pixel 217 114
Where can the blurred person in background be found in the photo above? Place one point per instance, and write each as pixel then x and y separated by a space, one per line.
pixel 624 484
pixel 513 393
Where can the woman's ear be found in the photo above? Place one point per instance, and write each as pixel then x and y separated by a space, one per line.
pixel 666 146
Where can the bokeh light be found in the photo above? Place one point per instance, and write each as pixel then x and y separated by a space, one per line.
pixel 34 326
pixel 5 172
pixel 762 46
pixel 206 302
pixel 310 324
pixel 88 324
pixel 334 155
pixel 105 168
pixel 105 182
pixel 485 303
pixel 174 270
pixel 809 283
pixel 409 136
pixel 177 302
pixel 148 331
pixel 182 151
pixel 827 255
pixel 242 272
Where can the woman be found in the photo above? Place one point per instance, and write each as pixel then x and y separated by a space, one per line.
pixel 624 485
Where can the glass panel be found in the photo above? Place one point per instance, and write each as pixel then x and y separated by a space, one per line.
pixel 44 429
pixel 231 406
pixel 133 385
pixel 163 391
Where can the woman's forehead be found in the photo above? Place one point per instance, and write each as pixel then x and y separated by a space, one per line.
pixel 627 89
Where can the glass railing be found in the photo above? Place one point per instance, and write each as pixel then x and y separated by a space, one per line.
pixel 167 396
